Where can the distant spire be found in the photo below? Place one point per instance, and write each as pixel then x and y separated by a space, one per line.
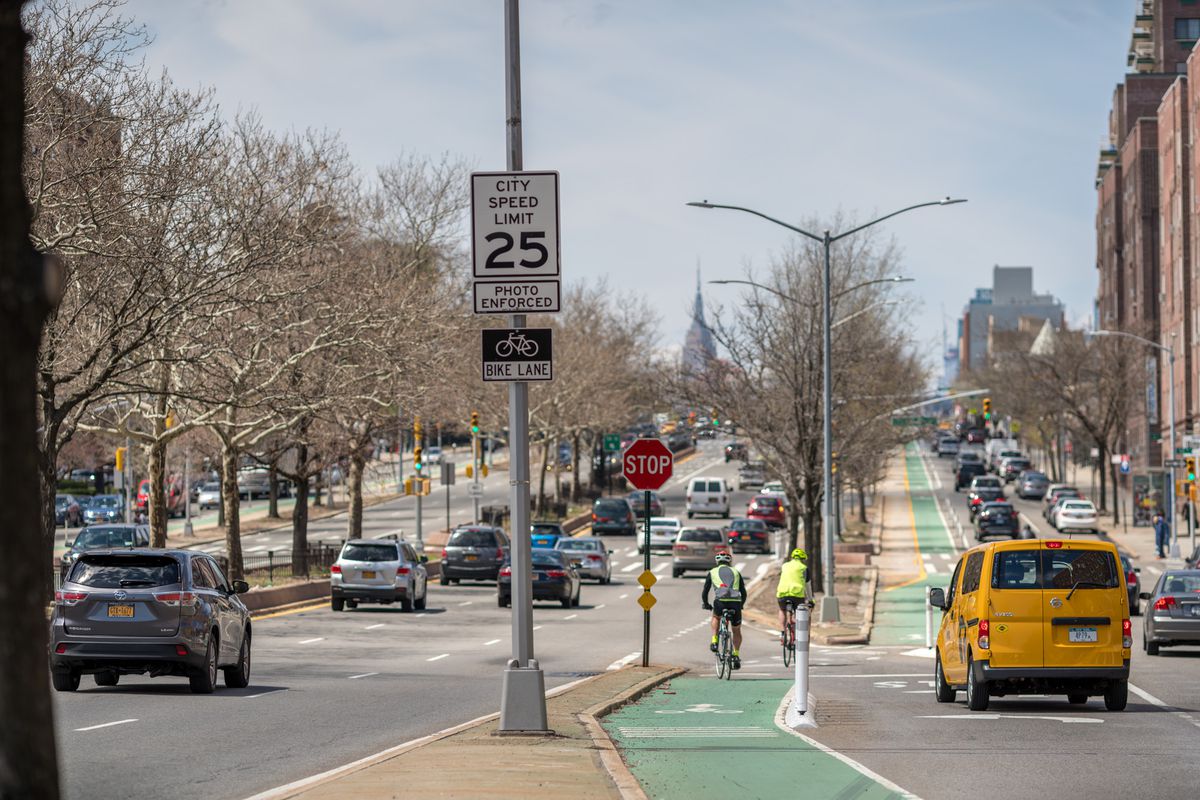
pixel 699 347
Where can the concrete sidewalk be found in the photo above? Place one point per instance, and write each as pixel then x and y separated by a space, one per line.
pixel 471 761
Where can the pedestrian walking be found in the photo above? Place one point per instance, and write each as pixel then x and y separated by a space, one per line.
pixel 1162 535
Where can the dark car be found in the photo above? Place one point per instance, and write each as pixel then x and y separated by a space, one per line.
pixel 997 519
pixel 637 500
pixel 68 510
pixel 966 472
pixel 165 612
pixel 105 537
pixel 769 508
pixel 104 508
pixel 736 450
pixel 749 535
pixel 475 553
pixel 554 578
pixel 1032 485
pixel 1133 583
pixel 613 515
pixel 984 489
pixel 976 436
pixel 545 534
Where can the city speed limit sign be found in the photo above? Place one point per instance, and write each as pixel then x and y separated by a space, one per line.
pixel 514 225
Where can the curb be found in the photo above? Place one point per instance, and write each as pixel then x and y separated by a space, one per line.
pixel 610 758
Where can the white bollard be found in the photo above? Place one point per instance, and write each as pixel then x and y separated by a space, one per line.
pixel 801 694
pixel 928 619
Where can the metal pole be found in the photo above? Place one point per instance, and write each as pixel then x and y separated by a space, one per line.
pixel 187 492
pixel 399 451
pixel 417 487
pixel 523 700
pixel 829 602
pixel 128 481
pixel 477 469
pixel 646 564
pixel 447 506
pixel 1171 515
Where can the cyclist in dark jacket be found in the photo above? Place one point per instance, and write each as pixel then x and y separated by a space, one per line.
pixel 729 593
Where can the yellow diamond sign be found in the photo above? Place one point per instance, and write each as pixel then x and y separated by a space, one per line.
pixel 647 579
pixel 647 601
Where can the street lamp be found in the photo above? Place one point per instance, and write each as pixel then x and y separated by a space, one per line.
pixel 777 293
pixel 1171 401
pixel 829 604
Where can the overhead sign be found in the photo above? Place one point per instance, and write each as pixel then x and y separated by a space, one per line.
pixel 647 463
pixel 537 296
pixel 612 443
pixel 514 239
pixel 517 354
pixel 914 420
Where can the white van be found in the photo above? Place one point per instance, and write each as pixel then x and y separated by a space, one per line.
pixel 708 495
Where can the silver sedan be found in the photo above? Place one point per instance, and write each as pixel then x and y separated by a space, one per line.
pixel 1173 611
pixel 588 555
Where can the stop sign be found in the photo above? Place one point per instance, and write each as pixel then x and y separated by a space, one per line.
pixel 647 463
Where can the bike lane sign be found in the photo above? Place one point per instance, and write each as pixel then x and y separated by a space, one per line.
pixel 517 354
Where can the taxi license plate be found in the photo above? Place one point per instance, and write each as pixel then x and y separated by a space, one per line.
pixel 120 610
pixel 472 557
pixel 368 574
pixel 1081 635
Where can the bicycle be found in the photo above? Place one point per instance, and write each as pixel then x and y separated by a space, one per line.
pixel 724 663
pixel 516 343
pixel 788 639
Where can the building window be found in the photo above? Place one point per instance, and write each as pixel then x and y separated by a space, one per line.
pixel 1187 28
pixel 1181 67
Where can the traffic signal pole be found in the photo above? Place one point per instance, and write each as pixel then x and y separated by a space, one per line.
pixel 523 696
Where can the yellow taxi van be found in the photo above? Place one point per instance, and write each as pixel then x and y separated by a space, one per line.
pixel 1034 616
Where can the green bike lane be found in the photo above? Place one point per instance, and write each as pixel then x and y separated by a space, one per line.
pixel 914 530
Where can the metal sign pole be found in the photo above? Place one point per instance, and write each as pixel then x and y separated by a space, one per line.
pixel 523 701
pixel 646 612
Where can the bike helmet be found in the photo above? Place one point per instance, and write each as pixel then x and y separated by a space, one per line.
pixel 799 553
pixel 724 558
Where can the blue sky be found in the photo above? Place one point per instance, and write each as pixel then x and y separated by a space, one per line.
pixel 796 108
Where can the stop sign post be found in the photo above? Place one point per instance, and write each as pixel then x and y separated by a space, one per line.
pixel 647 464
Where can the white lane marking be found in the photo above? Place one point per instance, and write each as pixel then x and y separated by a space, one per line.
pixel 945 556
pixel 874 675
pixel 750 557
pixel 922 652
pixel 537 627
pixel 439 658
pixel 492 642
pixel 1154 570
pixel 597 608
pixel 263 694
pixel 466 602
pixel 105 725
pixel 570 616
pixel 661 568
pixel 631 551
pixel 373 627
pixel 622 597
pixel 683 481
pixel 310 641
pixel 1154 701
pixel 732 731
pixel 631 567
pixel 623 661
pixel 762 569
pixel 1067 720
pixel 255 549
pixel 364 675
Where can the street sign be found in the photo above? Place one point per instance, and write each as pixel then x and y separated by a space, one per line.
pixel 647 579
pixel 519 354
pixel 646 601
pixel 1177 463
pixel 612 443
pixel 1191 442
pixel 517 297
pixel 515 250
pixel 647 463
pixel 475 489
pixel 448 473
pixel 901 421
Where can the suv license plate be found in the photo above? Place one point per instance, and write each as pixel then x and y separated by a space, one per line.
pixel 120 610
pixel 368 574
pixel 472 557
pixel 1081 635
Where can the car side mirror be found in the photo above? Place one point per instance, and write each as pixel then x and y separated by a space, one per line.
pixel 610 552
pixel 1145 595
pixel 240 587
pixel 937 598
pixel 424 559
pixel 1137 569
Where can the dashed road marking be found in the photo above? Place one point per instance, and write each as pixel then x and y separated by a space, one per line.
pixel 492 642
pixel 364 675
pixel 263 694
pixel 623 661
pixel 597 608
pixel 316 639
pixel 376 625
pixel 622 597
pixel 631 567
pixel 1068 720
pixel 570 616
pixel 1154 701
pixel 439 658
pixel 466 602
pixel 105 725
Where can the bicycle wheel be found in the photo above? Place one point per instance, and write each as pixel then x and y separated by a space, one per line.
pixel 726 649
pixel 789 648
pixel 720 662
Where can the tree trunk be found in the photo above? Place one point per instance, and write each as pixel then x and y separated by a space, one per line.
pixel 1103 457
pixel 156 506
pixel 541 496
pixel 273 490
pixel 812 533
pixel 576 488
pixel 318 483
pixel 1116 492
pixel 231 501
pixel 48 484
pixel 300 515
pixel 862 504
pixel 28 758
pixel 355 513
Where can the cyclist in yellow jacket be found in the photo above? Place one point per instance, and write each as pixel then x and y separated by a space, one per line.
pixel 791 591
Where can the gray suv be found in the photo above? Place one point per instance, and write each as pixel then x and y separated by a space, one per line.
pixel 105 537
pixel 474 552
pixel 162 612
pixel 378 571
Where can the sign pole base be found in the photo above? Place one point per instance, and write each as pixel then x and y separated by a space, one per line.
pixel 830 612
pixel 523 700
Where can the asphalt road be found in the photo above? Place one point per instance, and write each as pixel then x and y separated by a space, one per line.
pixel 328 688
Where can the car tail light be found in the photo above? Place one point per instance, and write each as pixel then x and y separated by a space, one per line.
pixel 680 548
pixel 595 518
pixel 976 501
pixel 181 650
pixel 1054 545
pixel 1126 634
pixel 176 599
pixel 506 571
pixel 336 569
pixel 593 557
pixel 985 639
pixel 62 648
pixel 402 570
pixel 1164 603
pixel 556 573
pixel 69 598
pixel 499 552
pixel 1131 577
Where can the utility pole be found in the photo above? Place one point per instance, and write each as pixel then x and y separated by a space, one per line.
pixel 187 491
pixel 418 486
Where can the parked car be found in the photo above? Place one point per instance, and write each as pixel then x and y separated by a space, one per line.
pixel 769 509
pixel 749 535
pixel 554 578
pixel 1012 466
pixel 1073 514
pixel 1172 611
pixel 473 552
pixel 545 534
pixel 431 455
pixel 637 501
pixel 165 612
pixel 588 555
pixel 1069 632
pixel 1032 485
pixel 378 571
pixel 708 495
pixel 209 495
pixel 663 531
pixel 173 494
pixel 997 518
pixel 696 549
pixel 613 515
pixel 68 510
pixel 253 482
pixel 736 450
pixel 1133 583
pixel 966 473
pixel 103 508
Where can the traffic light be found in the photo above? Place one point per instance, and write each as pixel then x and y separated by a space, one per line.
pixel 987 408
pixel 470 471
pixel 417 458
pixel 716 420
pixel 1190 463
pixel 120 465
pixel 474 422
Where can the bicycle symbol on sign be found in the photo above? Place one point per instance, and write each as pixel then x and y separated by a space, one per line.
pixel 701 708
pixel 517 343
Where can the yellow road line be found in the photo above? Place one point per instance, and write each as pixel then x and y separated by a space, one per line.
pixel 313 605
pixel 912 516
